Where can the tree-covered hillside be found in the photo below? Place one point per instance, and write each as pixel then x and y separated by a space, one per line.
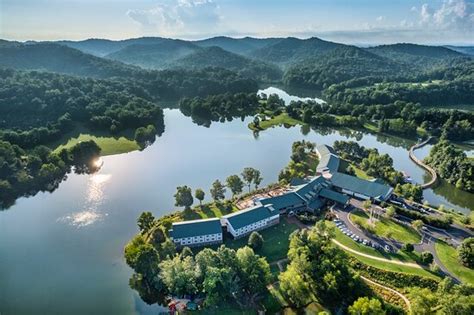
pixel 243 46
pixel 59 58
pixel 415 55
pixel 218 57
pixel 158 55
pixel 339 65
pixel 291 50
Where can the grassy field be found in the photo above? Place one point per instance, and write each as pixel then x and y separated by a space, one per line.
pixel 209 210
pixel 282 119
pixel 384 227
pixel 449 257
pixel 109 145
pixel 276 241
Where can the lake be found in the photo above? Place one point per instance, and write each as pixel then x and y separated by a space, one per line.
pixel 61 252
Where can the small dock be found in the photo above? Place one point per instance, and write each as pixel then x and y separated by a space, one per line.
pixel 434 176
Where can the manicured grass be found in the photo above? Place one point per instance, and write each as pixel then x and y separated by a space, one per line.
pixel 387 228
pixel 276 241
pixel 109 145
pixel 449 257
pixel 209 210
pixel 282 119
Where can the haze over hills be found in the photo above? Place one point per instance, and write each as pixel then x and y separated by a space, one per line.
pixel 156 55
pixel 312 63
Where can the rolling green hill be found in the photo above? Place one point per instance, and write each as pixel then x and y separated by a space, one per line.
pixel 243 46
pixel 416 55
pixel 292 50
pixel 339 65
pixel 58 58
pixel 218 57
pixel 154 56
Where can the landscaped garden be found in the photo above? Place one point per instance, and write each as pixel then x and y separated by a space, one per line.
pixel 385 227
pixel 449 257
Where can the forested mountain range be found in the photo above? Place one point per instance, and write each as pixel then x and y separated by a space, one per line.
pixel 310 63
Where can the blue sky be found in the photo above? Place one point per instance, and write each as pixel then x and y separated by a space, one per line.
pixel 349 21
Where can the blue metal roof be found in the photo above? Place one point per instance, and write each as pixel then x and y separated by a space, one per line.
pixel 286 200
pixel 195 228
pixel 328 160
pixel 316 204
pixel 334 195
pixel 248 216
pixel 361 186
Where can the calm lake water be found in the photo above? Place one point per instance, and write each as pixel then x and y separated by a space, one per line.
pixel 61 252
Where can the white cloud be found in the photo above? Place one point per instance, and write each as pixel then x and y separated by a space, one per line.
pixel 380 18
pixel 454 15
pixel 191 17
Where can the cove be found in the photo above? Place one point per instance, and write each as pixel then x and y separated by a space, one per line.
pixel 61 252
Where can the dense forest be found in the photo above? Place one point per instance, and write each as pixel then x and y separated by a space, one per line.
pixel 453 165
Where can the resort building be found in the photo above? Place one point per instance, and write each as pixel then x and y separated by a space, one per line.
pixel 328 160
pixel 256 218
pixel 309 194
pixel 360 188
pixel 196 232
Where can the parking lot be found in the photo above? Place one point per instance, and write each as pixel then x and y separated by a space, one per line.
pixel 365 241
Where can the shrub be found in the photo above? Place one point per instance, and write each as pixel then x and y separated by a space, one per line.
pixel 466 252
pixel 408 247
pixel 426 258
pixel 255 240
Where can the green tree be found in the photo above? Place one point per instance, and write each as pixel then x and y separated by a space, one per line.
pixel 309 252
pixel 254 271
pixel 257 178
pixel 199 194
pixel 235 184
pixel 217 190
pixel 255 240
pixel 390 212
pixel 248 174
pixel 426 258
pixel 179 274
pixel 408 247
pixel 466 252
pixel 417 224
pixel 145 221
pixel 366 306
pixel 183 197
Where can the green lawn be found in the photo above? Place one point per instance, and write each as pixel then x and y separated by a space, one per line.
pixel 276 241
pixel 387 228
pixel 209 210
pixel 449 257
pixel 282 119
pixel 109 145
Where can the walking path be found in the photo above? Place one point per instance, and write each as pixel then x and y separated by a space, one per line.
pixel 434 176
pixel 396 262
pixel 403 297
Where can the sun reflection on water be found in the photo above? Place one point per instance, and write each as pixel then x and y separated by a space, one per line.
pixel 90 212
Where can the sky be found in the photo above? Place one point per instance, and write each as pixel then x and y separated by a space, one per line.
pixel 363 22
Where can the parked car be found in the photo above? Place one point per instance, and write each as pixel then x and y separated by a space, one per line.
pixel 387 248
